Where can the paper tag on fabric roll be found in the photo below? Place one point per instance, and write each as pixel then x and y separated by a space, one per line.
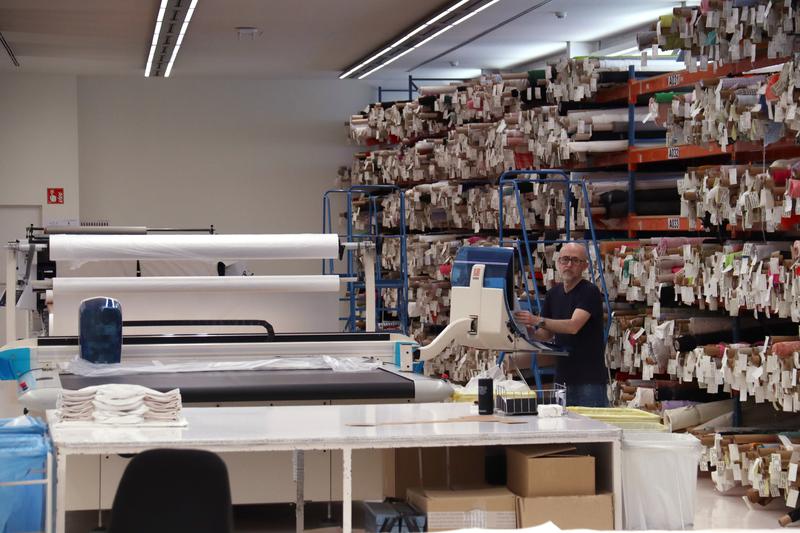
pixel 792 472
pixel 791 498
pixel 733 452
pixel 759 394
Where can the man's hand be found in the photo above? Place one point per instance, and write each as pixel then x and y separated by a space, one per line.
pixel 526 318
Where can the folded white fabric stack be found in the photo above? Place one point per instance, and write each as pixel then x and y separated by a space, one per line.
pixel 120 405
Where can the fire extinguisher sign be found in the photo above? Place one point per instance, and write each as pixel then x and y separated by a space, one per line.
pixel 55 195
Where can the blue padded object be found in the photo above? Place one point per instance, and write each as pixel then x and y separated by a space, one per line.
pixel 100 325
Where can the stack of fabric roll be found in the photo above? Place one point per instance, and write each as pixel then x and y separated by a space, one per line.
pixel 743 195
pixel 765 462
pixel 725 32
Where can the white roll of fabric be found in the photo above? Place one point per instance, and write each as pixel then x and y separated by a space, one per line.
pixel 82 248
pixel 289 303
pixel 162 284
pixel 598 146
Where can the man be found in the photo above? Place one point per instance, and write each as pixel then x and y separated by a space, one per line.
pixel 573 313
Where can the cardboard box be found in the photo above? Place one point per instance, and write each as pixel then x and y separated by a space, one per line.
pixel 486 507
pixel 548 470
pixel 392 517
pixel 567 512
pixel 401 469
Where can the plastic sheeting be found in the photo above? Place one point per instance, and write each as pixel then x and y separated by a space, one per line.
pixel 23 454
pixel 659 480
pixel 81 248
pixel 82 367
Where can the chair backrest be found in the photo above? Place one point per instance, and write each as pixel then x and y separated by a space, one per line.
pixel 173 491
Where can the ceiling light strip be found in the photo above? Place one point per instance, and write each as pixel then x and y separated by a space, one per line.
pixel 157 37
pixel 412 33
pixel 481 34
pixel 154 41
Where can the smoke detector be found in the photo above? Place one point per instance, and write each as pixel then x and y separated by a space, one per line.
pixel 248 33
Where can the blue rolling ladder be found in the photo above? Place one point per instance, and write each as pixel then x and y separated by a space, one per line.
pixel 374 233
pixel 524 250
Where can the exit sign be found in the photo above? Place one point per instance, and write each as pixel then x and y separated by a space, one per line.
pixel 55 195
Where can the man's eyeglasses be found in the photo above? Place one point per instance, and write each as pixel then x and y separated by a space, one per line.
pixel 565 260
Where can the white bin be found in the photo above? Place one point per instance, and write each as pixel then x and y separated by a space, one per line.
pixel 659 480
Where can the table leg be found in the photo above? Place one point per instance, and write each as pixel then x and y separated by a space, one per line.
pixel 48 509
pixel 347 490
pixel 61 491
pixel 298 460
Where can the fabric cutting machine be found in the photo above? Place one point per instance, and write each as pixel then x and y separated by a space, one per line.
pixel 481 317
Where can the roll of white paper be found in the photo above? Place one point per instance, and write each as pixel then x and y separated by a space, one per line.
pixel 289 303
pixel 163 284
pixel 81 248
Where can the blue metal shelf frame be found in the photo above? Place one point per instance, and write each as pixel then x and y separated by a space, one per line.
pixel 512 179
pixel 373 193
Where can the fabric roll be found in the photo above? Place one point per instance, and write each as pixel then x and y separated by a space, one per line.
pixel 710 325
pixel 664 207
pixel 162 284
pixel 687 417
pixel 592 147
pixel 82 248
pixel 785 349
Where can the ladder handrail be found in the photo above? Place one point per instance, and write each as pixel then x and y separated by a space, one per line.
pixel 512 178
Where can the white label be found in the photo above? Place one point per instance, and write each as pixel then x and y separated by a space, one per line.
pixel 791 498
pixel 733 452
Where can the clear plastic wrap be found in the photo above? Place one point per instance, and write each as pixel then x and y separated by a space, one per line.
pixel 82 367
pixel 659 479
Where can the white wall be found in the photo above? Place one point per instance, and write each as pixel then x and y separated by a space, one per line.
pixel 39 142
pixel 244 155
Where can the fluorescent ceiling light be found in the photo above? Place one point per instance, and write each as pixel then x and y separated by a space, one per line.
pixel 154 41
pixel 176 45
pixel 413 32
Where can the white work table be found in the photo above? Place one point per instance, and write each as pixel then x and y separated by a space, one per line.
pixel 336 427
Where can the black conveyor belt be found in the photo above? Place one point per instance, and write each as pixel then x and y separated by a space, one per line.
pixel 264 385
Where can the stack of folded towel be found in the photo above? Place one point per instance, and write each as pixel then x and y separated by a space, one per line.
pixel 120 404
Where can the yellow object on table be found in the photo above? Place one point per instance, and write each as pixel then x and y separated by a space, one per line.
pixel 622 417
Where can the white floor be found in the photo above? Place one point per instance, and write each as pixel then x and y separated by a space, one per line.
pixel 716 510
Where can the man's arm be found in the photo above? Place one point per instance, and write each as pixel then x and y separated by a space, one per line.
pixel 530 321
pixel 569 326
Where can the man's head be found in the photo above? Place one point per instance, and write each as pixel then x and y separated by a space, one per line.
pixel 572 261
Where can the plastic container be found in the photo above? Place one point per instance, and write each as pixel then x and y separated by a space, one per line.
pixel 659 480
pixel 24 446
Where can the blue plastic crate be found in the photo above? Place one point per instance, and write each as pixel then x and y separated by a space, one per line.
pixel 24 448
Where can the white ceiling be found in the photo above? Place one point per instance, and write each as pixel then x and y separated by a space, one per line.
pixel 300 39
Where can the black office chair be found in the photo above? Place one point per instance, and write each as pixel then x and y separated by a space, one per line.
pixel 173 491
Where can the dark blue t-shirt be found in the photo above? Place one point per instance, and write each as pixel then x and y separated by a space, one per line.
pixel 586 361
